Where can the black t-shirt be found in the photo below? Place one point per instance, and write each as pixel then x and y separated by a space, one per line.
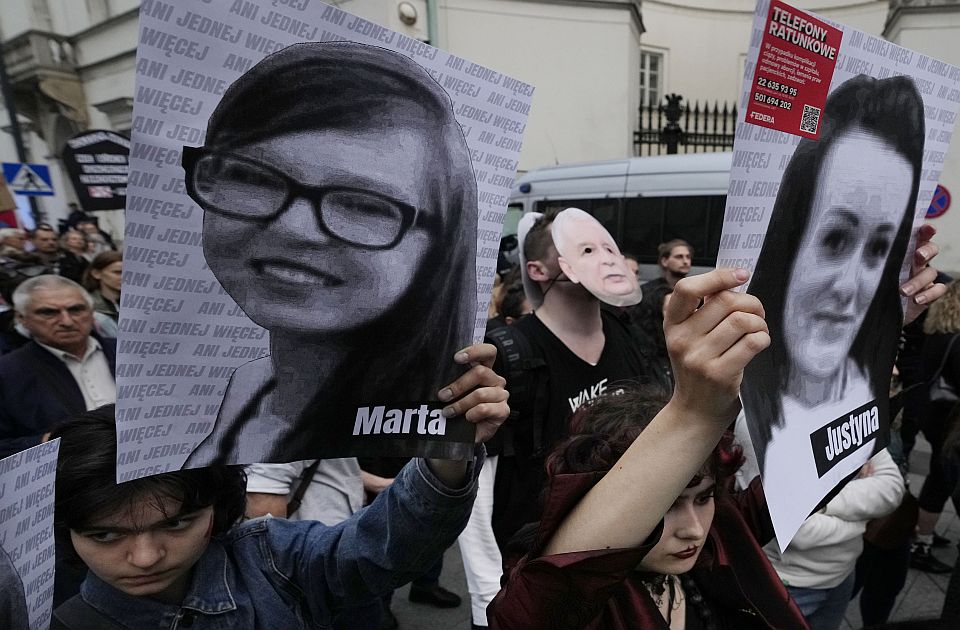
pixel 570 382
pixel 573 381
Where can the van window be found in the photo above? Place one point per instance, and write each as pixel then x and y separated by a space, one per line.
pixel 606 211
pixel 649 221
pixel 514 213
pixel 640 224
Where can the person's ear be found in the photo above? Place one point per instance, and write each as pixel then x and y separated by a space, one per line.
pixel 537 271
pixel 663 262
pixel 96 274
pixel 568 270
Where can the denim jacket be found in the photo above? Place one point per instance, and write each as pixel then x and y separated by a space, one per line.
pixel 278 574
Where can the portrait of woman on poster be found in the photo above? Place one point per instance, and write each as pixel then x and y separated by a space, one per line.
pixel 340 213
pixel 828 271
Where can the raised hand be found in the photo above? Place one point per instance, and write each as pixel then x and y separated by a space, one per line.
pixel 712 333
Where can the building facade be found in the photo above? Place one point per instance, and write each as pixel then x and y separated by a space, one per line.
pixel 71 67
pixel 593 62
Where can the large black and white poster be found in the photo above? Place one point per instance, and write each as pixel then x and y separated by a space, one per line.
pixel 825 225
pixel 315 206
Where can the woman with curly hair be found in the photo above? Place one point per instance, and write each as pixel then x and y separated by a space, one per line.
pixel 941 358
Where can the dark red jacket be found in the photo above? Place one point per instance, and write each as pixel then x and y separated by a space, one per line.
pixel 601 589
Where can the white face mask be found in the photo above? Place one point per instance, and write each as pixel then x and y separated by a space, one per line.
pixel 589 256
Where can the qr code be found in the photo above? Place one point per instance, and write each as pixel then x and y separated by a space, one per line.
pixel 811 117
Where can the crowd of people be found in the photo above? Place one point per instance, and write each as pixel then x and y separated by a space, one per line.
pixel 619 492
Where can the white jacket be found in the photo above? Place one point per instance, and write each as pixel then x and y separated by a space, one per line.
pixel 825 550
pixel 827 545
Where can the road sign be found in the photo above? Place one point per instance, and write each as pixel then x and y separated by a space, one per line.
pixel 940 202
pixel 28 179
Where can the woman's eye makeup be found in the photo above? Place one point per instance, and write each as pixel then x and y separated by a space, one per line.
pixel 704 499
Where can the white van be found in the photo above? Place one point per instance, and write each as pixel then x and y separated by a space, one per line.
pixel 642 201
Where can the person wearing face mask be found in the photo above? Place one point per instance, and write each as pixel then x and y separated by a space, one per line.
pixel 568 351
pixel 639 527
pixel 344 223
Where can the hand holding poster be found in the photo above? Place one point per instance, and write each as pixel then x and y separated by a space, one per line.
pixel 27 551
pixel 302 236
pixel 825 224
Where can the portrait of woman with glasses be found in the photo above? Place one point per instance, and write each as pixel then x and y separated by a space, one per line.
pixel 340 213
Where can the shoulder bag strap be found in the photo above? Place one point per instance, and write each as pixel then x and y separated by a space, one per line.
pixel 305 478
pixel 943 363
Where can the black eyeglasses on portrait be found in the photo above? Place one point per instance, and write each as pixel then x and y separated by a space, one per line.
pixel 240 187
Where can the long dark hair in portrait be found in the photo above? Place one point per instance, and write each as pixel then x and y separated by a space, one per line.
pixel 405 354
pixel 893 110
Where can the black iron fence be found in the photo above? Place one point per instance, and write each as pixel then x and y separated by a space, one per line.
pixel 675 128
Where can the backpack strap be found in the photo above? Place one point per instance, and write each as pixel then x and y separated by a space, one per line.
pixel 306 477
pixel 526 382
pixel 76 614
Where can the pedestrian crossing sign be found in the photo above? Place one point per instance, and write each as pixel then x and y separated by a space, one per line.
pixel 28 179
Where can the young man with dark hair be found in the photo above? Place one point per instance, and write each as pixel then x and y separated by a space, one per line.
pixel 675 258
pixel 46 244
pixel 165 551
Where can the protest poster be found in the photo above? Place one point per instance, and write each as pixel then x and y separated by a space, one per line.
pixel 823 208
pixel 96 161
pixel 27 550
pixel 315 204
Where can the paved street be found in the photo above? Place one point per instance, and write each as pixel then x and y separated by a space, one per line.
pixel 922 595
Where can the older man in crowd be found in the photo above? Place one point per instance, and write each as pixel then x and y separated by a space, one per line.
pixel 12 241
pixel 66 367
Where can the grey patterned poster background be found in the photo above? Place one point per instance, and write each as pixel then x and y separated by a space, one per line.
pixel 183 335
pixel 27 551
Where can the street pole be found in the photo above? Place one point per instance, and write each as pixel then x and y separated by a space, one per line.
pixel 7 94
